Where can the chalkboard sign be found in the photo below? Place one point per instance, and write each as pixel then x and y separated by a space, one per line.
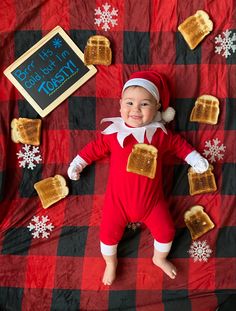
pixel 50 71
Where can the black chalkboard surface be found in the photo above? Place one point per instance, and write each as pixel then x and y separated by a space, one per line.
pixel 50 71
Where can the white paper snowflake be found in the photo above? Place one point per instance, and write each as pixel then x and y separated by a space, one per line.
pixel 106 16
pixel 40 227
pixel 200 251
pixel 225 44
pixel 28 156
pixel 214 150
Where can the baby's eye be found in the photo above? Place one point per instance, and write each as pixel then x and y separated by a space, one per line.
pixel 129 103
pixel 145 104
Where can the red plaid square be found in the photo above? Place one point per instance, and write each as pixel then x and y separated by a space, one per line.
pixel 38 298
pixel 165 40
pixel 40 272
pixel 109 81
pixel 148 275
pixel 72 278
pixel 11 279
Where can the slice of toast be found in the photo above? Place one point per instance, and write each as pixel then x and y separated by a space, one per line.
pixel 197 221
pixel 195 28
pixel 51 190
pixel 26 131
pixel 97 51
pixel 205 110
pixel 143 160
pixel 201 183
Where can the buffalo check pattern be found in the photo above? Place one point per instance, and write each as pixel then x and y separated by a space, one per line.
pixel 50 259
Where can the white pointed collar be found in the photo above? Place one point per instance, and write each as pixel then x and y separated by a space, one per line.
pixel 118 126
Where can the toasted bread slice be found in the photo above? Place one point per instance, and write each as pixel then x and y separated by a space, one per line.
pixel 143 160
pixel 197 221
pixel 97 51
pixel 26 131
pixel 51 190
pixel 201 183
pixel 195 28
pixel 205 110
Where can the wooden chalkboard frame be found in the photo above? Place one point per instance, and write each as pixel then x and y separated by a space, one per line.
pixel 8 71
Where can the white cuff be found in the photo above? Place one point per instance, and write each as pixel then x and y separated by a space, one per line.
pixel 162 247
pixel 108 250
pixel 78 161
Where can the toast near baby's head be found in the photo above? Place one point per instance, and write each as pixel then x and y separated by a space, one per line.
pixel 197 221
pixel 26 131
pixel 51 190
pixel 97 51
pixel 143 160
pixel 195 28
pixel 205 110
pixel 201 183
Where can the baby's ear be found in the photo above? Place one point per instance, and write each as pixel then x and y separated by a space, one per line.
pixel 158 105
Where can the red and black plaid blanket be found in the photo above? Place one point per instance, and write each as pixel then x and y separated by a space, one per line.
pixel 50 258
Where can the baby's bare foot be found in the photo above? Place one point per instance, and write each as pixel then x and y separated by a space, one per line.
pixel 109 274
pixel 166 266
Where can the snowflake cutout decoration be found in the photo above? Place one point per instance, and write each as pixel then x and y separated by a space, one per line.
pixel 200 251
pixel 28 155
pixel 57 43
pixel 106 16
pixel 225 44
pixel 214 150
pixel 39 227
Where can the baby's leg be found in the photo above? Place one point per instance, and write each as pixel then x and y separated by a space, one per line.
pixel 161 251
pixel 109 253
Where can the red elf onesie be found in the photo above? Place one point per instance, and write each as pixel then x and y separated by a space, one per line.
pixel 131 197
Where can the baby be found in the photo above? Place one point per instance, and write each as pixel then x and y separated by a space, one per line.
pixel 131 197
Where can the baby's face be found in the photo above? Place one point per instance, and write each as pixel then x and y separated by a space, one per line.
pixel 137 106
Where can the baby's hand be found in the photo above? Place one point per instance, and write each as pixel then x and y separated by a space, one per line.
pixel 76 167
pixel 201 165
pixel 74 172
pixel 198 163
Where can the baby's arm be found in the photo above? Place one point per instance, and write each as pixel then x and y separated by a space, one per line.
pixel 186 152
pixel 91 152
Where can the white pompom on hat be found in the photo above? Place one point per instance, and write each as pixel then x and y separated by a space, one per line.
pixel 156 84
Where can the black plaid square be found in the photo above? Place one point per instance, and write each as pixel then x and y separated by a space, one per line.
pixel 231 59
pixel 11 298
pixel 226 249
pixel 82 113
pixel 80 37
pixel 122 300
pixel 85 185
pixel 228 179
pixel 26 110
pixel 16 241
pixel 183 53
pixel 227 302
pixel 180 184
pixel 128 246
pixel 29 178
pixel 25 40
pixel 173 298
pixel 183 110
pixel 181 244
pixel 72 241
pixel 65 299
pixel 136 47
pixel 230 123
